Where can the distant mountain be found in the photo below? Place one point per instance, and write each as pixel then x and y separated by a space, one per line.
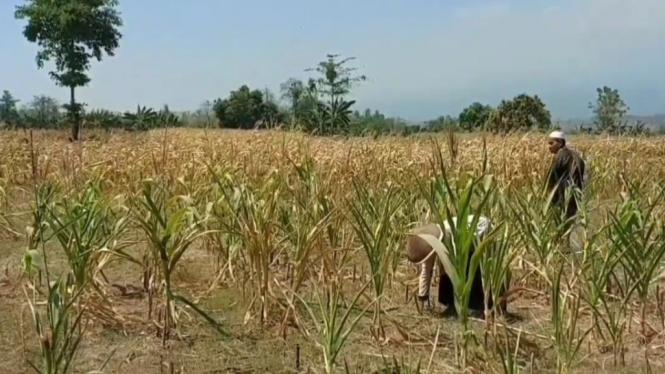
pixel 656 121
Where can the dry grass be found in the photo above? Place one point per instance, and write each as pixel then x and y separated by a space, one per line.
pixel 285 237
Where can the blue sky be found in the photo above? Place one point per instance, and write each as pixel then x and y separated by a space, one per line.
pixel 423 58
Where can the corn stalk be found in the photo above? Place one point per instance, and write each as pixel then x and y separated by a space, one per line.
pixel 373 222
pixel 170 231
pixel 336 325
pixel 455 250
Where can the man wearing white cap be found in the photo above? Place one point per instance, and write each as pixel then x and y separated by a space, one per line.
pixel 567 169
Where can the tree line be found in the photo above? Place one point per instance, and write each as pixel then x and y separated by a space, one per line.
pixel 72 33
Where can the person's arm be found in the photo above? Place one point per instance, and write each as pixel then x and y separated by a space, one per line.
pixel 419 251
pixel 581 172
pixel 425 279
pixel 557 170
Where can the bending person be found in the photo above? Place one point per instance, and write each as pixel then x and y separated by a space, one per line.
pixel 418 250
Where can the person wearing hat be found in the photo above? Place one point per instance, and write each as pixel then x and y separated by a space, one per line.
pixel 567 169
pixel 420 252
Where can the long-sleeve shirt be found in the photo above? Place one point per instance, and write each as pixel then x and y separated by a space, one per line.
pixel 567 167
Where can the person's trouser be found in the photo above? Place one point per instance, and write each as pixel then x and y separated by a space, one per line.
pixel 446 294
pixel 569 214
pixel 426 270
pixel 477 297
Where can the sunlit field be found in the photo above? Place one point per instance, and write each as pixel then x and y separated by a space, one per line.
pixel 186 251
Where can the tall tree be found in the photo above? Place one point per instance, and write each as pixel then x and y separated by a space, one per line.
pixel 442 123
pixel 330 89
pixel 375 124
pixel 608 110
pixel 335 79
pixel 523 112
pixel 8 110
pixel 71 32
pixel 244 108
pixel 42 112
pixel 206 113
pixel 293 91
pixel 474 116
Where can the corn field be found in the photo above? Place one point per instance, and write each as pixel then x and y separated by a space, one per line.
pixel 192 251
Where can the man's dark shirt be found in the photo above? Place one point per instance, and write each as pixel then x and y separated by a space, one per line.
pixel 567 167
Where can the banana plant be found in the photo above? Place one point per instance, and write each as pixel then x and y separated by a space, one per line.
pixel 331 117
pixel 168 119
pixel 142 120
pixel 102 118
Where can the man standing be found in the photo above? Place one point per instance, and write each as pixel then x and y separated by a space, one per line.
pixel 567 169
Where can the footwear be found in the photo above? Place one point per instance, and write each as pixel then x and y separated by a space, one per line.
pixel 450 312
pixel 424 302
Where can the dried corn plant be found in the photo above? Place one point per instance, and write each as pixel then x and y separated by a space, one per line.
pixel 332 324
pixel 460 205
pixel 372 217
pixel 171 226
pixel 84 227
pixel 62 326
pixel 257 222
pixel 313 215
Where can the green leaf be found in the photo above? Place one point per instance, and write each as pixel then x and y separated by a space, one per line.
pixel 174 222
pixel 33 260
